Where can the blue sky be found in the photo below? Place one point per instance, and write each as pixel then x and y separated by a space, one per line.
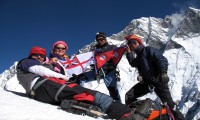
pixel 27 23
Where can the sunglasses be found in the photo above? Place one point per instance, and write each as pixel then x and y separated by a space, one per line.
pixel 132 42
pixel 36 55
pixel 101 39
pixel 60 48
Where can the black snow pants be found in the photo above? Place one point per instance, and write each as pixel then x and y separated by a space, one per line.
pixel 47 91
pixel 140 89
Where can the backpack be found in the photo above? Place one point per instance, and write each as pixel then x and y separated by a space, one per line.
pixel 149 110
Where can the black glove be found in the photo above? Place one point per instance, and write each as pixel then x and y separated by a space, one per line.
pixel 164 79
pixel 73 78
pixel 77 78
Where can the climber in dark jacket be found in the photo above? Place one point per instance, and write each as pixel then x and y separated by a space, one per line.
pixel 152 67
pixel 109 68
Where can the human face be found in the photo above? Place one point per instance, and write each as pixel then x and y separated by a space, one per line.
pixel 39 57
pixel 60 50
pixel 53 60
pixel 133 45
pixel 101 41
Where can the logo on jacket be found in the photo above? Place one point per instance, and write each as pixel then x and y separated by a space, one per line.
pixel 102 57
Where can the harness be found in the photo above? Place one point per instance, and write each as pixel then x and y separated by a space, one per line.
pixel 37 85
pixel 59 91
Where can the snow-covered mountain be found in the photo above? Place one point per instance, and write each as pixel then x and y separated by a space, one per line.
pixel 177 35
pixel 7 75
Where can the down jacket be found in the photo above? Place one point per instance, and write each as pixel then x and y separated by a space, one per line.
pixel 150 62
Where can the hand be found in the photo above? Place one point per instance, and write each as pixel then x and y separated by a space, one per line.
pixel 140 79
pixel 164 79
pixel 65 56
pixel 105 68
pixel 128 49
pixel 53 60
pixel 65 77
